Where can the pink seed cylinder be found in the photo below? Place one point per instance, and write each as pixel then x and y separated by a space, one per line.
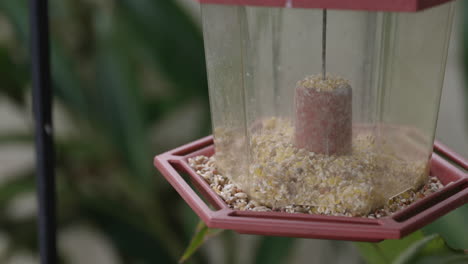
pixel 323 117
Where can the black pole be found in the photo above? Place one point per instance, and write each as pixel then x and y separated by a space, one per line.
pixel 324 44
pixel 42 107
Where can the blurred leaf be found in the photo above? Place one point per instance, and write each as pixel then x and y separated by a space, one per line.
pixel 16 138
pixel 16 11
pixel 127 230
pixel 202 234
pixel 22 233
pixel 66 83
pixel 372 253
pixel 414 249
pixel 386 251
pixel 452 227
pixel 126 203
pixel 172 39
pixel 113 104
pixel 274 250
pixel 190 218
pixel 431 249
pixel 13 78
pixel 119 102
pixel 19 184
pixel 163 33
pixel 106 90
pixel 231 252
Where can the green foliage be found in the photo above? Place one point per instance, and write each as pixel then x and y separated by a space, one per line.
pixel 274 250
pixel 431 249
pixel 202 234
pixel 102 53
pixel 105 175
pixel 386 251
pixel 12 78
pixel 414 249
pixel 452 227
pixel 14 187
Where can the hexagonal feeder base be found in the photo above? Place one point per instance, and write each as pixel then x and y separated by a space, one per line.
pixel 216 214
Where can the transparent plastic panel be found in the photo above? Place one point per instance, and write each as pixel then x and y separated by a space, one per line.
pixel 413 50
pixel 339 126
pixel 300 126
pixel 222 37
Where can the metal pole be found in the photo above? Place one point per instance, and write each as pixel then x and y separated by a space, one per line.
pixel 42 107
pixel 324 44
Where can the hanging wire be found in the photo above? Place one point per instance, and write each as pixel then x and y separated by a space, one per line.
pixel 324 45
pixel 42 106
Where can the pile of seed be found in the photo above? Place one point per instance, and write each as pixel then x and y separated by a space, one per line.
pixel 237 199
pixel 317 82
pixel 276 173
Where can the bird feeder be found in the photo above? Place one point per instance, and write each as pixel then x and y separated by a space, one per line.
pixel 327 106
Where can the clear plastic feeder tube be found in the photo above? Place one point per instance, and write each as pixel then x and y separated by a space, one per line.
pixel 346 143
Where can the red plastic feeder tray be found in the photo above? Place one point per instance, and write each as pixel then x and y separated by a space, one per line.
pixel 454 194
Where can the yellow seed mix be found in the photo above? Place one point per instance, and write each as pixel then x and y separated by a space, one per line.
pixel 277 174
pixel 237 199
pixel 330 83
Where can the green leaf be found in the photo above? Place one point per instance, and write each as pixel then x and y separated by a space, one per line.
pixel 17 12
pixel 16 138
pixel 431 249
pixel 129 235
pixel 386 251
pixel 20 184
pixel 119 102
pixel 372 253
pixel 452 227
pixel 66 82
pixel 274 250
pixel 171 39
pixel 414 249
pixel 13 78
pixel 411 252
pixel 202 234
pixel 165 35
pixel 231 250
pixel 22 233
pixel 127 205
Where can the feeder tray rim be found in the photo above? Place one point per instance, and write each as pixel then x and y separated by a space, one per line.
pixel 363 5
pixel 451 171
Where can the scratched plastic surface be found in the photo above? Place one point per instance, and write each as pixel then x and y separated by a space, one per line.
pixel 346 143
